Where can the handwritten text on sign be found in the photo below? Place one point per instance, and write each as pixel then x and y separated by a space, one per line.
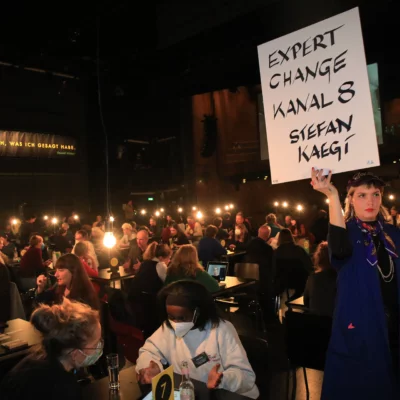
pixel 317 102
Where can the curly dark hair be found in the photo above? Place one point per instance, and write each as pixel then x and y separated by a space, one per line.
pixel 197 296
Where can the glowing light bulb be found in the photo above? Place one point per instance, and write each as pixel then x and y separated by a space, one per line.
pixel 327 201
pixel 14 221
pixel 112 219
pixel 194 208
pixel 54 220
pixel 143 212
pixel 391 197
pixel 230 206
pixel 199 215
pixel 226 207
pixel 45 217
pixel 285 204
pixel 276 204
pixel 217 210
pixel 299 208
pixel 76 217
pixel 157 213
pixel 162 210
pixel 109 240
pixel 180 209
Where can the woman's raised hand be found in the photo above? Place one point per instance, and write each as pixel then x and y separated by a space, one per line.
pixel 322 183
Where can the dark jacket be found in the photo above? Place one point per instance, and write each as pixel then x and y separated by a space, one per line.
pixel 32 263
pixel 320 292
pixel 25 381
pixel 261 253
pixel 210 249
pixel 359 361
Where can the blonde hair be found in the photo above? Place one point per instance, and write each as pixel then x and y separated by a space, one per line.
pixel 349 210
pixel 64 327
pixel 185 262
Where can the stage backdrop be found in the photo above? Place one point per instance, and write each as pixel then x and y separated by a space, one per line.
pixel 317 102
pixel 37 145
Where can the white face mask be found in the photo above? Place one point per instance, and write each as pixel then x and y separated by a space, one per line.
pixel 92 358
pixel 181 328
pixel 238 232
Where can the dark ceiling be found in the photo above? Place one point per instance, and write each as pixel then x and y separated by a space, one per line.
pixel 63 38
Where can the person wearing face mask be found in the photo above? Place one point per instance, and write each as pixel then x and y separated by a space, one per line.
pixel 71 339
pixel 239 238
pixel 192 331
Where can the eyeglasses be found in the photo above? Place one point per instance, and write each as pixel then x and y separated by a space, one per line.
pixel 100 345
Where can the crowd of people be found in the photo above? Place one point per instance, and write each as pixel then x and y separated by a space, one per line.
pixel 345 265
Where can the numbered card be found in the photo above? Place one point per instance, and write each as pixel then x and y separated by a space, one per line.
pixel 163 385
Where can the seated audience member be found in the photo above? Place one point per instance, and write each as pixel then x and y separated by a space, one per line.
pixel 129 235
pixel 72 282
pixel 82 252
pixel 137 247
pixel 239 238
pixel 185 265
pixel 194 232
pixel 241 220
pixel 142 291
pixel 3 257
pixel 5 294
pixel 320 291
pixel 97 240
pixel 191 327
pixel 178 236
pixel 69 235
pixel 71 339
pixel 99 220
pixel 32 263
pixel 261 253
pixel 8 247
pixel 154 229
pixel 61 242
pixel 222 234
pixel 272 222
pixel 210 249
pixel 82 236
pixel 293 264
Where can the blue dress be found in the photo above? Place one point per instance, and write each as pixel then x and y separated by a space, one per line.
pixel 359 361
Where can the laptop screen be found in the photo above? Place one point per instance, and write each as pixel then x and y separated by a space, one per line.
pixel 217 270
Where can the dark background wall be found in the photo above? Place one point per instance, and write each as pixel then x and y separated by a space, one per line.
pixel 36 102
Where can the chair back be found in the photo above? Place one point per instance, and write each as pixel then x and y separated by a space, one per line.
pixel 247 271
pixel 257 353
pixel 290 274
pixel 307 339
pixel 129 337
pixel 17 308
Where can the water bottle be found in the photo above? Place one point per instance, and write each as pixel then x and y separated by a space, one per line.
pixel 186 388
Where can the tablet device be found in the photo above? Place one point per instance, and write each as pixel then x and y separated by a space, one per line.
pixel 217 269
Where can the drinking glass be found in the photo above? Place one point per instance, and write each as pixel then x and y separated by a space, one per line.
pixel 113 371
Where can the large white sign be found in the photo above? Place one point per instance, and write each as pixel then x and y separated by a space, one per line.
pixel 317 102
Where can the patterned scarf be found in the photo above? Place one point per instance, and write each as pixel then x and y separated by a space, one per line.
pixel 375 230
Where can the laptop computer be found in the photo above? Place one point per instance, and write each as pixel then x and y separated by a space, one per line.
pixel 217 269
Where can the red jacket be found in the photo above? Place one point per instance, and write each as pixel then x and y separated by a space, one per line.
pixel 32 263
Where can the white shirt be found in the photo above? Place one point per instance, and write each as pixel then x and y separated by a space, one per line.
pixel 221 344
pixel 161 269
pixel 91 253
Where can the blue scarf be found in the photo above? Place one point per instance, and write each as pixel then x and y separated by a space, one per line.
pixel 375 230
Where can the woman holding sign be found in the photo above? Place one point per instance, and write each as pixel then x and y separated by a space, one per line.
pixel 363 355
